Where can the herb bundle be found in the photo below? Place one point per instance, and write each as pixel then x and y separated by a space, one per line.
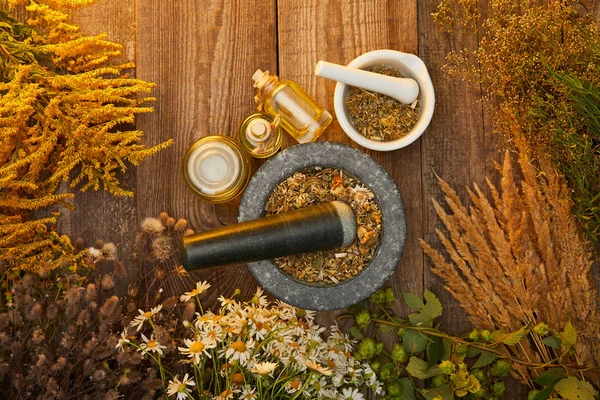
pixel 539 63
pixel 65 113
pixel 521 261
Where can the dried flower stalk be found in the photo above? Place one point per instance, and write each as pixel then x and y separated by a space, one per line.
pixel 65 113
pixel 520 259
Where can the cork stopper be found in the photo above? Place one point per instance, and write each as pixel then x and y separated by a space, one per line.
pixel 260 78
pixel 258 130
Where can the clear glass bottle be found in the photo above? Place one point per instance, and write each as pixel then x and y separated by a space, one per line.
pixel 260 135
pixel 301 115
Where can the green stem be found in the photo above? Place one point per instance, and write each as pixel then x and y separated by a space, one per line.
pixel 482 347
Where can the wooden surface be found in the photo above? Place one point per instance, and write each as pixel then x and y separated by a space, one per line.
pixel 201 55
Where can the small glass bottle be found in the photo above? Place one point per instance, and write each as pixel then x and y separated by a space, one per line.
pixel 260 135
pixel 301 115
pixel 217 169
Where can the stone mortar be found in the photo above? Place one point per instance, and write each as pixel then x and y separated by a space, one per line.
pixel 368 171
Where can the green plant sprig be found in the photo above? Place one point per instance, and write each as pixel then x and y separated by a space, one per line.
pixel 474 364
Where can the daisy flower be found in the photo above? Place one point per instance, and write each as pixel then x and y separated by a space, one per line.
pixel 122 340
pixel 180 387
pixel 351 394
pixel 201 287
pixel 151 345
pixel 144 316
pixel 240 351
pixel 361 195
pixel 263 368
pixel 293 386
pixel 313 365
pixel 259 299
pixel 248 393
pixel 321 389
pixel 196 348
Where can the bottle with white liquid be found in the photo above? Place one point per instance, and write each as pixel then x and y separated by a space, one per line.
pixel 217 169
pixel 301 115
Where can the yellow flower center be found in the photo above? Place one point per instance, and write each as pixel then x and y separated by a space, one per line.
pixel 239 346
pixel 182 388
pixel 197 347
pixel 147 314
pixel 193 292
pixel 151 343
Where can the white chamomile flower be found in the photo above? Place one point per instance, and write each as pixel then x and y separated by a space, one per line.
pixel 351 394
pixel 240 351
pixel 122 341
pixel 151 345
pixel 263 368
pixel 194 349
pixel 180 388
pixel 144 316
pixel 259 298
pixel 248 393
pixel 314 366
pixel 201 287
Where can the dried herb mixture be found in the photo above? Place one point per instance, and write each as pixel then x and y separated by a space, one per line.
pixel 321 185
pixel 380 117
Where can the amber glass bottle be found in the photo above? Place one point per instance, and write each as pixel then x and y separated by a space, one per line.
pixel 301 115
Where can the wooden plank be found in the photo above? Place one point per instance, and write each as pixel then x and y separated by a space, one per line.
pixel 99 215
pixel 201 56
pixel 452 146
pixel 339 31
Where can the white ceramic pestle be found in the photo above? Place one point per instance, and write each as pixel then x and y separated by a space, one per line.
pixel 404 90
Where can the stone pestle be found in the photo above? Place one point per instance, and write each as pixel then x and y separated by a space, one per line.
pixel 315 228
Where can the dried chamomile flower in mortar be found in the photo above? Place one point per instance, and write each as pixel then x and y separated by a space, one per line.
pixel 380 117
pixel 320 185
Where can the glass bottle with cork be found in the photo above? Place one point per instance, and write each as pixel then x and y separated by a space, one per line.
pixel 301 115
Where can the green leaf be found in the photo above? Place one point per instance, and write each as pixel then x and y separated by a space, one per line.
pixel 543 394
pixel 414 342
pixel 420 320
pixel 413 301
pixel 550 377
pixel 435 351
pixel 472 352
pixel 356 333
pixel 433 307
pixel 552 341
pixel 408 390
pixel 421 370
pixel 510 338
pixel 443 392
pixel 447 349
pixel 486 358
pixel 572 388
pixel 569 335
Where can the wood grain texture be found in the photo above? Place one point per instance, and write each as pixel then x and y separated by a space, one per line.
pixel 201 55
pixel 99 215
pixel 338 32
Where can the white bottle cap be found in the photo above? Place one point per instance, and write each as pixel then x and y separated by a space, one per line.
pixel 213 167
pixel 258 131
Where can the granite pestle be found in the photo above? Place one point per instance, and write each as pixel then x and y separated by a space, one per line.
pixel 315 228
